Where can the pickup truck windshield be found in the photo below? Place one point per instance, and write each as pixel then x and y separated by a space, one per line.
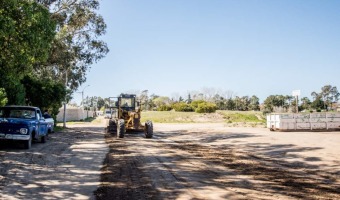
pixel 23 113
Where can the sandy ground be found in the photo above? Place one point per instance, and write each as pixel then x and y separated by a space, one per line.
pixel 211 161
pixel 67 166
pixel 182 161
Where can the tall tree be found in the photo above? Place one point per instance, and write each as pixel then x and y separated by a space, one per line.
pixel 328 94
pixel 45 94
pixel 305 103
pixel 230 104
pixel 144 98
pixel 26 33
pixel 76 46
pixel 254 103
pixel 335 96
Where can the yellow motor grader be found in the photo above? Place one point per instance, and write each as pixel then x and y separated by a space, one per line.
pixel 126 115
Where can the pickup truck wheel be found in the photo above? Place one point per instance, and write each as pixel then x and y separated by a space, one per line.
pixel 120 128
pixel 28 143
pixel 43 139
pixel 148 129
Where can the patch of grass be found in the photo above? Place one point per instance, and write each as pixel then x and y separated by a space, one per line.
pixel 58 128
pixel 242 116
pixel 168 116
pixel 191 117
pixel 86 120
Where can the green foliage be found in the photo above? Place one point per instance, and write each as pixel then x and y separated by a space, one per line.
pixel 192 117
pixel 164 108
pixel 3 97
pixel 254 103
pixel 277 101
pixel 305 104
pixel 15 92
pixel 45 94
pixel 195 103
pixel 206 107
pixel 168 116
pixel 328 95
pixel 230 104
pixel 248 116
pixel 77 45
pixel 318 103
pixel 25 36
pixel 182 107
pixel 162 103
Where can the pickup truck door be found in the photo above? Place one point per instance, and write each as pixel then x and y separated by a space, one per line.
pixel 42 125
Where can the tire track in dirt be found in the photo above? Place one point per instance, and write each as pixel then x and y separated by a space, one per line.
pixel 280 176
pixel 179 165
pixel 57 169
pixel 123 178
pixel 170 174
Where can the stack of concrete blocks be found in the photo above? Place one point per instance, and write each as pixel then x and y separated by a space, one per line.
pixel 304 121
pixel 73 113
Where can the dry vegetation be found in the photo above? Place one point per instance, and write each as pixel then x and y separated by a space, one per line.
pixel 231 118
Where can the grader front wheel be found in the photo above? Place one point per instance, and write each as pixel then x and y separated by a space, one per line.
pixel 148 129
pixel 121 128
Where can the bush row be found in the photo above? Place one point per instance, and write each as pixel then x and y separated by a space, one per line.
pixel 196 106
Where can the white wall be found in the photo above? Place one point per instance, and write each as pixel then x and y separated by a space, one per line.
pixel 73 113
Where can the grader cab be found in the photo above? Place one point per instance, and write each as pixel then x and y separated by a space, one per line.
pixel 126 115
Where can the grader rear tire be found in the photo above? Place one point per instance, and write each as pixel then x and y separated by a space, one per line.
pixel 148 129
pixel 120 128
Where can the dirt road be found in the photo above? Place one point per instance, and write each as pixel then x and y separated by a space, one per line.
pixel 210 161
pixel 67 166
pixel 182 161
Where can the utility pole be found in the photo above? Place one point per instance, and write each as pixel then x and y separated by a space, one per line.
pixel 64 124
pixel 296 93
pixel 82 99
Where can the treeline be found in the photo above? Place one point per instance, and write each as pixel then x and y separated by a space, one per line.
pixel 324 100
pixel 46 48
pixel 201 104
pixel 195 102
pixel 210 100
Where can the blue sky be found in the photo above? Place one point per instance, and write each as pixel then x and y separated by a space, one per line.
pixel 253 47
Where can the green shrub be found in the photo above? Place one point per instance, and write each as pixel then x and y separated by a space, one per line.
pixel 182 107
pixel 194 104
pixel 164 108
pixel 206 107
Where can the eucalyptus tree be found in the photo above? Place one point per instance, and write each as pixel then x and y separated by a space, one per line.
pixel 305 103
pixel 230 104
pixel 77 45
pixel 254 103
pixel 335 95
pixel 329 95
pixel 277 101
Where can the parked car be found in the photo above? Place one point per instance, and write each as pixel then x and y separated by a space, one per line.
pixel 24 124
pixel 107 114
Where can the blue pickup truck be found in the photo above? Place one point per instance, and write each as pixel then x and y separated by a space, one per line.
pixel 24 124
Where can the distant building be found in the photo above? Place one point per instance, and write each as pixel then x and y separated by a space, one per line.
pixel 73 113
